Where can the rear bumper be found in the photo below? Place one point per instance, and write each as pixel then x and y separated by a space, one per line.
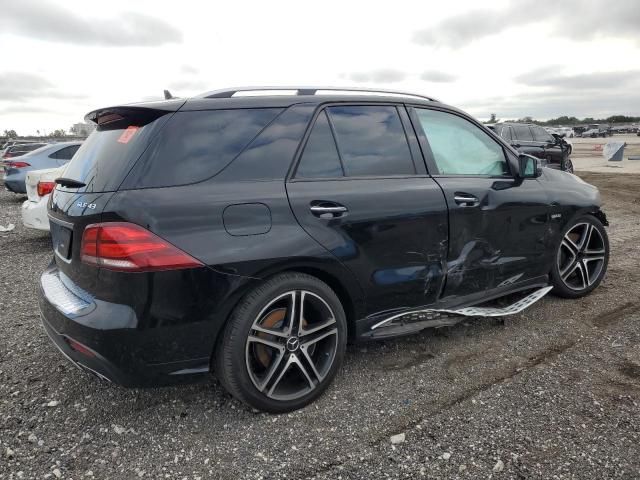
pixel 15 185
pixel 102 337
pixel 34 214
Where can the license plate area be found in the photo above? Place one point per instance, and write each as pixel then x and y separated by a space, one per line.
pixel 61 237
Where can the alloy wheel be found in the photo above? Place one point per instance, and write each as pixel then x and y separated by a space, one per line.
pixel 568 165
pixel 581 256
pixel 291 345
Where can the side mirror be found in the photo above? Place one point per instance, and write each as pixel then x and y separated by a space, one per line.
pixel 529 167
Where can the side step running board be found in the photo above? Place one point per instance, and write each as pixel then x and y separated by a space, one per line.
pixel 407 322
pixel 520 305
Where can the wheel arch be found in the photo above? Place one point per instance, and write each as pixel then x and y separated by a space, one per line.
pixel 600 215
pixel 336 276
pixel 349 304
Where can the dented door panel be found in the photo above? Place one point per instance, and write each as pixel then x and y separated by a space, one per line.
pixel 500 241
pixel 392 236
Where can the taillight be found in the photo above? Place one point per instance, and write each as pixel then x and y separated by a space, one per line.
pixel 130 248
pixel 17 164
pixel 45 188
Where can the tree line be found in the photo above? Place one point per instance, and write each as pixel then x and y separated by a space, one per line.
pixel 59 133
pixel 565 120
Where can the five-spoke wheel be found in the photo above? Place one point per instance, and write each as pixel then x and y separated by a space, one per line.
pixel 582 258
pixel 283 344
pixel 291 345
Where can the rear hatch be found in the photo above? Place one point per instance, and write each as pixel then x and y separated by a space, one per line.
pixel 94 175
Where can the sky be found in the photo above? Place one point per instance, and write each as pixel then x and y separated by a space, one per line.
pixel 515 58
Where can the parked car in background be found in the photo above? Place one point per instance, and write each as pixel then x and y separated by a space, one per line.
pixel 20 149
pixel 48 156
pixel 11 143
pixel 534 140
pixel 40 184
pixel 252 236
pixel 597 130
pixel 565 132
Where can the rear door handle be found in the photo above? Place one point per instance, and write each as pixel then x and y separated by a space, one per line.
pixel 328 210
pixel 466 199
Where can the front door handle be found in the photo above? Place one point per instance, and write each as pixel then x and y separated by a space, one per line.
pixel 328 210
pixel 466 199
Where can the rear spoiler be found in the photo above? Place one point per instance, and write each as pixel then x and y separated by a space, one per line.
pixel 146 111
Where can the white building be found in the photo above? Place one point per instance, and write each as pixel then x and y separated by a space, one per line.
pixel 83 129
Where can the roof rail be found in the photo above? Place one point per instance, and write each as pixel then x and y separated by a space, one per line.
pixel 301 91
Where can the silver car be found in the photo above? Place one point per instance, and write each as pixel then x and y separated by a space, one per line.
pixel 49 156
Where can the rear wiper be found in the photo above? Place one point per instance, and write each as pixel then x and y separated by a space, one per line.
pixel 69 182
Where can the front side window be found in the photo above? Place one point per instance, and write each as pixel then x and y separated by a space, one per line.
pixel 541 135
pixel 506 133
pixel 459 147
pixel 371 140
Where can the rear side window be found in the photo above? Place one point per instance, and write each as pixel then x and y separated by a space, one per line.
pixel 522 133
pixel 371 140
pixel 65 153
pixel 320 156
pixel 194 146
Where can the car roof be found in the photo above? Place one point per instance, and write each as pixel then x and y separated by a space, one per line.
pixel 65 144
pixel 519 123
pixel 272 97
pixel 51 146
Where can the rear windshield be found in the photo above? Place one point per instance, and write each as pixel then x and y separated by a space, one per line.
pixel 26 148
pixel 107 155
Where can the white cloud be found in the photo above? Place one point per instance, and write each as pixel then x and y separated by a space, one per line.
pixel 122 51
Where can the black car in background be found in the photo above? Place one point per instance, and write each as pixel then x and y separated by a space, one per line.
pixel 536 141
pixel 253 236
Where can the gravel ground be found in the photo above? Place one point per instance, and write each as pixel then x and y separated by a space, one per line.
pixel 553 392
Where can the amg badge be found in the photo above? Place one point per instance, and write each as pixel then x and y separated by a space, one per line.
pixel 92 206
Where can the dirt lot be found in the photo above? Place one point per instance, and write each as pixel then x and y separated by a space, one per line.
pixel 587 154
pixel 553 392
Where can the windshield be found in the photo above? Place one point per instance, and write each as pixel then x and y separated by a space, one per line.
pixel 107 155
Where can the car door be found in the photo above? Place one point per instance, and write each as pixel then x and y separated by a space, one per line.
pixel 360 189
pixel 498 223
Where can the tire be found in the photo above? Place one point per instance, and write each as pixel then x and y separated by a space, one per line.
pixel 273 364
pixel 581 258
pixel 568 165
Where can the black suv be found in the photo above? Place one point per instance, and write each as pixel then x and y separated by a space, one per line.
pixel 535 140
pixel 253 236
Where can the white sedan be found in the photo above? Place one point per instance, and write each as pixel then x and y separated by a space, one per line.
pixel 40 184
